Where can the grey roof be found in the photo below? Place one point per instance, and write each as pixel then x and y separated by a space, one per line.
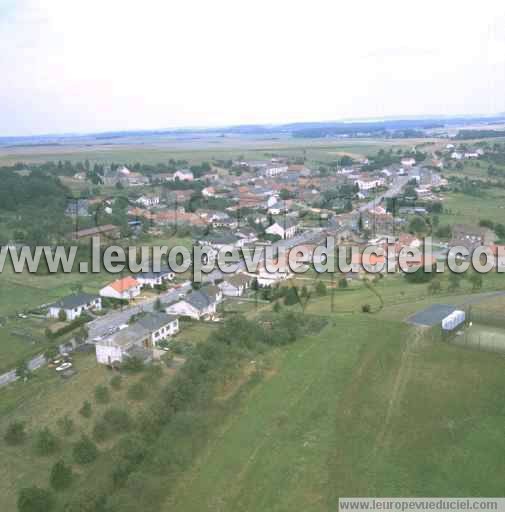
pixel 432 315
pixel 154 321
pixel 165 271
pixel 132 335
pixel 199 299
pixel 74 301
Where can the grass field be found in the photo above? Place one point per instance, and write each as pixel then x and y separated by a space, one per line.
pixel 469 209
pixel 365 408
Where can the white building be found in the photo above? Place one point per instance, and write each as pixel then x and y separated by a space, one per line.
pixel 75 305
pixel 369 184
pixel 408 162
pixel 184 175
pixel 197 305
pixel 152 279
pixel 285 228
pixel 148 201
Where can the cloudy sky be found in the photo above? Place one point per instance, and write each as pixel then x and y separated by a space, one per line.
pixel 97 65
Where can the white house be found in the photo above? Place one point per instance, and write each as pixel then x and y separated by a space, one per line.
pixel 408 162
pixel 153 279
pixel 456 155
pixel 148 201
pixel 197 305
pixel 369 184
pixel 126 289
pixel 75 305
pixel 274 169
pixel 160 325
pixel 236 285
pixel 209 192
pixel 184 175
pixel 285 228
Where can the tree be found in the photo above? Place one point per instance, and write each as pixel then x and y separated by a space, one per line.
pixel 102 395
pixel 366 308
pixel 86 410
pixel 46 442
pixel 342 283
pixel 454 281
pixel 418 225
pixel 66 425
pixel 277 307
pixel 434 287
pixel 476 280
pixel 34 499
pixel 22 370
pixel 15 433
pixel 116 381
pixel 321 289
pixel 85 451
pixel 61 476
pixel 444 232
pixel 158 306
pixel 291 296
pixel 62 315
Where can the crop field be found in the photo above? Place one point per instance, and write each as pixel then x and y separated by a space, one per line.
pixel 340 414
pixel 197 151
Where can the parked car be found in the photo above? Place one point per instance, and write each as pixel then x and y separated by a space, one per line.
pixel 63 367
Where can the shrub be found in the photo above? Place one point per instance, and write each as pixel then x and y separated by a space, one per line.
pixel 85 451
pixel 46 442
pixel 342 283
pixel 137 391
pixel 153 374
pixel 102 395
pixel 15 433
pixel 66 425
pixel 116 381
pixel 132 364
pixel 321 289
pixel 61 476
pixel 34 499
pixel 101 431
pixel 86 410
pixel 366 308
pixel 118 419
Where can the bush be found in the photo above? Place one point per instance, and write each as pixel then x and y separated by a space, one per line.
pixel 101 431
pixel 321 289
pixel 15 433
pixel 132 364
pixel 116 381
pixel 137 391
pixel 118 419
pixel 46 442
pixel 61 476
pixel 66 425
pixel 342 283
pixel 34 499
pixel 153 374
pixel 85 451
pixel 102 395
pixel 86 410
pixel 366 308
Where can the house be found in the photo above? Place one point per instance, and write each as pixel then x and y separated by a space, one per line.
pixel 408 162
pixel 126 288
pixel 272 272
pixel 184 175
pixel 369 183
pixel 75 305
pixel 198 304
pixel 285 228
pixel 148 201
pixel 477 234
pixel 78 208
pixel 457 155
pixel 274 169
pixel 152 278
pixel 236 285
pixel 209 192
pixel 137 340
pixel 160 325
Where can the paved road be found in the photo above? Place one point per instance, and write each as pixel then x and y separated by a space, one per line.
pixel 100 326
pixel 395 189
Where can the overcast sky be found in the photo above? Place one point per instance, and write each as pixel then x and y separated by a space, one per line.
pixel 97 65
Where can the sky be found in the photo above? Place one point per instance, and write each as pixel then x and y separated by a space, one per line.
pixel 98 65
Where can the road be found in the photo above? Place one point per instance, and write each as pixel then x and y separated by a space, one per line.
pixel 100 326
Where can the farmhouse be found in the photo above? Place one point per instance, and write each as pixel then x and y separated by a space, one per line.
pixel 126 289
pixel 75 305
pixel 129 342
